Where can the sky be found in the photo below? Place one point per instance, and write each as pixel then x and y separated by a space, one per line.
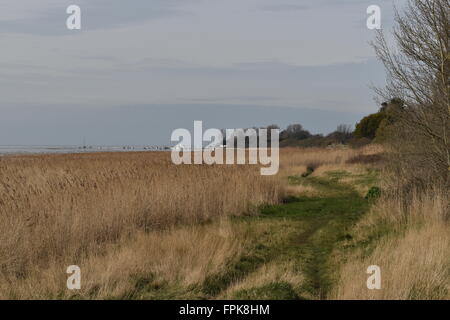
pixel 139 69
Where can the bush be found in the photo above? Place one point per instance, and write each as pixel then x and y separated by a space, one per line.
pixel 373 193
pixel 368 126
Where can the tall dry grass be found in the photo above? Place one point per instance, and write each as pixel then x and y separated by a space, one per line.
pixel 294 161
pixel 58 210
pixel 178 257
pixel 414 256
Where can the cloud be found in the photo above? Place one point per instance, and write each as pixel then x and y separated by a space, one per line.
pixel 285 7
pixel 49 17
pixel 343 87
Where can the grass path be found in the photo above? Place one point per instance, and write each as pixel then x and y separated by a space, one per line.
pixel 301 232
pixel 287 247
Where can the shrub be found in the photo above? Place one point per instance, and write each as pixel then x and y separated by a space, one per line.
pixel 368 126
pixel 373 193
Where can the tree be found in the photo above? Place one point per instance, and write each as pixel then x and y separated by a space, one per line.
pixel 272 126
pixel 391 111
pixel 295 131
pixel 343 133
pixel 418 72
pixel 368 126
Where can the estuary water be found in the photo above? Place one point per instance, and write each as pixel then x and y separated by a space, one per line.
pixel 15 150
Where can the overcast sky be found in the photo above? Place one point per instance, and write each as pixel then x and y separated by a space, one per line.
pixel 138 69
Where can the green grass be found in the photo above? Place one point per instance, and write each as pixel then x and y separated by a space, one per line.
pixel 327 221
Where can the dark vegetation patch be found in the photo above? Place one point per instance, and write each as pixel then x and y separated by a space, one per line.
pixel 215 284
pixel 366 159
pixel 373 193
pixel 272 291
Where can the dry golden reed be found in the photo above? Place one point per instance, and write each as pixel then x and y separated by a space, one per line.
pixel 414 258
pixel 58 210
pixel 179 256
pixel 295 161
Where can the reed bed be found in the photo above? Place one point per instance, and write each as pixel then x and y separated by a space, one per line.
pixel 59 210
pixel 413 251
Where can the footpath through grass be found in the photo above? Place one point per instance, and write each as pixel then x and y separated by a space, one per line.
pixel 302 233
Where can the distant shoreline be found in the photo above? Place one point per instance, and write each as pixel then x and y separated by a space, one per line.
pixel 27 150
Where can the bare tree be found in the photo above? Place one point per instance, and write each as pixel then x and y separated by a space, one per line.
pixel 345 129
pixel 418 73
pixel 344 133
